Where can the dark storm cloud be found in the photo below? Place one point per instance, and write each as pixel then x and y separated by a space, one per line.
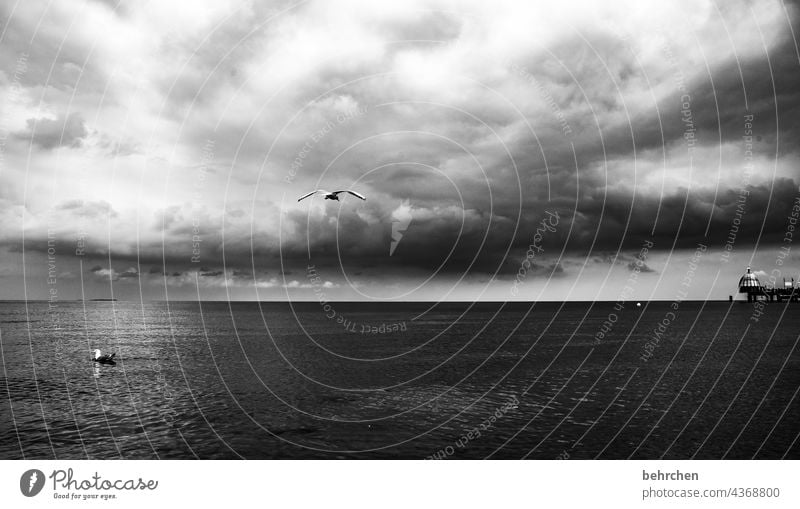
pixel 684 218
pixel 602 221
pixel 452 240
pixel 766 86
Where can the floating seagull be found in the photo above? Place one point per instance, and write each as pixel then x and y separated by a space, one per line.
pixel 103 359
pixel 331 196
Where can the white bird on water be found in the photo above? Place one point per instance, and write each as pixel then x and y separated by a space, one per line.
pixel 332 195
pixel 103 359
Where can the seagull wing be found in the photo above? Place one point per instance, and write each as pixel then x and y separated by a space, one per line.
pixel 311 193
pixel 357 195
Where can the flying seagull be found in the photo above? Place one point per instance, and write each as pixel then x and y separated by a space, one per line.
pixel 103 359
pixel 332 196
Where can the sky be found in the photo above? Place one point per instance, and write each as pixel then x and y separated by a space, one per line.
pixel 566 150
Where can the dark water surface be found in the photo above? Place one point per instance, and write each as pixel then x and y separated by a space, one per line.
pixel 275 380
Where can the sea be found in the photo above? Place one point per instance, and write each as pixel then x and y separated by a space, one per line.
pixel 458 380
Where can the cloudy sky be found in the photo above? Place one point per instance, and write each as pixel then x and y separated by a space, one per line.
pixel 156 150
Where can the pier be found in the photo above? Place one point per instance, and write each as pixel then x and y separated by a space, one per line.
pixel 752 287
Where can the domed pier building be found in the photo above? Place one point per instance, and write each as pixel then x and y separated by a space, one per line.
pixel 752 287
